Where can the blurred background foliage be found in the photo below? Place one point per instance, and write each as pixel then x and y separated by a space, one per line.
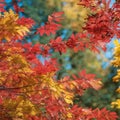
pixel 70 62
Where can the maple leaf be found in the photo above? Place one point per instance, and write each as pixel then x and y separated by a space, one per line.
pixel 72 41
pixel 16 6
pixel 85 81
pixel 99 26
pixel 58 45
pixel 102 114
pixel 2 4
pixel 52 25
pixel 116 104
pixel 48 28
pixel 27 22
pixel 116 61
pixel 11 29
pixel 78 42
pixel 55 17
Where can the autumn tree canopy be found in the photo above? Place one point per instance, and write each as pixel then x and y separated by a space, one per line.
pixel 29 88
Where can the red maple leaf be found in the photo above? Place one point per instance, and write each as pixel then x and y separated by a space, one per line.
pixel 52 25
pixel 58 45
pixel 2 5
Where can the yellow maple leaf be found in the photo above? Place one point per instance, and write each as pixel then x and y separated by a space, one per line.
pixel 116 104
pixel 9 28
pixel 116 42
